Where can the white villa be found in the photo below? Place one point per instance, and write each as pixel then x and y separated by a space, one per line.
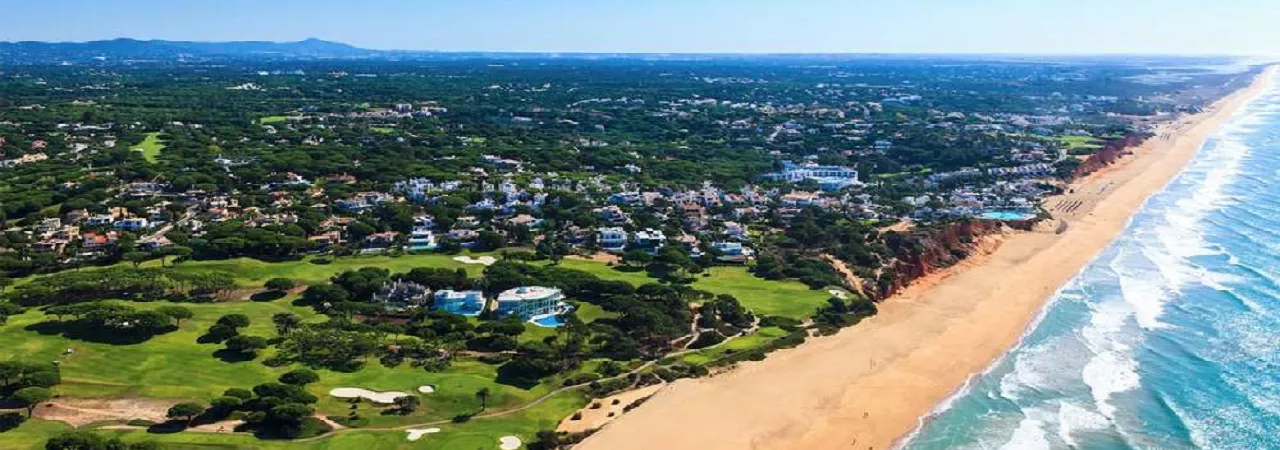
pixel 466 303
pixel 529 301
pixel 831 178
pixel 612 239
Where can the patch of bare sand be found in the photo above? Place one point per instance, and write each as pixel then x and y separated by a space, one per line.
pixel 600 257
pixel 81 411
pixel 225 426
pixel 595 418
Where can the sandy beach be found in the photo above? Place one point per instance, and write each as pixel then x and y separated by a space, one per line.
pixel 869 385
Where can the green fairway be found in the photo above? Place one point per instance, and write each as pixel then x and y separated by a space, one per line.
pixel 272 119
pixel 479 433
pixel 171 365
pixel 31 434
pixel 1078 142
pixel 786 298
pixel 174 366
pixel 749 342
pixel 605 271
pixel 150 147
pixel 251 272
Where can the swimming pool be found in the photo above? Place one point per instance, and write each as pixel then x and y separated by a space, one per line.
pixel 547 320
pixel 1006 215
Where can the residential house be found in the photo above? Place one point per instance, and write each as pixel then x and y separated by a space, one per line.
pixel 466 303
pixel 400 295
pixel 612 239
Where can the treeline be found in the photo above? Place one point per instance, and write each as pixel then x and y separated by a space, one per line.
pixel 119 283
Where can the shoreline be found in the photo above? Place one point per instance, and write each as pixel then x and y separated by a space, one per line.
pixel 873 385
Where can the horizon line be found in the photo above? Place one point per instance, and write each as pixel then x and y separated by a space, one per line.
pixel 677 53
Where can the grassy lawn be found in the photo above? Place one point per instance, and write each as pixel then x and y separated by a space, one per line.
pixel 607 272
pixel 1075 142
pixel 590 313
pixel 31 434
pixel 171 365
pixel 785 298
pixel 271 119
pixel 749 342
pixel 476 434
pixel 174 366
pixel 382 130
pixel 150 147
pixel 252 272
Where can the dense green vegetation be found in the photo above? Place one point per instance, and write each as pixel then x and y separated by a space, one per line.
pixel 212 235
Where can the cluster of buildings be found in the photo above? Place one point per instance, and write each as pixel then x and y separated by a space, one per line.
pixel 830 178
pixel 538 304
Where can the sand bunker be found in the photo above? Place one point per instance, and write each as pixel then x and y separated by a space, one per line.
pixel 418 433
pixel 82 411
pixel 484 260
pixel 426 389
pixel 509 443
pixel 373 396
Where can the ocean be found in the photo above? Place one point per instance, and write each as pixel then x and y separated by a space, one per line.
pixel 1169 339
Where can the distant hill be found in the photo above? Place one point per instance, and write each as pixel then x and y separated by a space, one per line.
pixel 134 49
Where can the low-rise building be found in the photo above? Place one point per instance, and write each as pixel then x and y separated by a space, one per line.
pixel 612 239
pixel 528 302
pixel 400 294
pixel 466 303
pixel 650 239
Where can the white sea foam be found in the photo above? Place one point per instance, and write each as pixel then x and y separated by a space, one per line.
pixel 1158 259
pixel 1025 373
pixel 1030 435
pixel 1072 418
pixel 1112 369
pixel 1143 292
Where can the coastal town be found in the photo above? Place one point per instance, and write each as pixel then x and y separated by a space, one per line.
pixel 501 251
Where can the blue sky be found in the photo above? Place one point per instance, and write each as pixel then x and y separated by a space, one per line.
pixel 837 26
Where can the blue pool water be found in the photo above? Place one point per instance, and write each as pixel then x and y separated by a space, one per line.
pixel 1006 215
pixel 547 321
pixel 1169 339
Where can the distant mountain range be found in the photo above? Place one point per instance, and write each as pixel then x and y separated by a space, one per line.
pixel 134 49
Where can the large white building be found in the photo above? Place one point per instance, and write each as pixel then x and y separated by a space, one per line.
pixel 831 178
pixel 529 301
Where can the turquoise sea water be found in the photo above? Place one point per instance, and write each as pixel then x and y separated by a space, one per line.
pixel 1169 339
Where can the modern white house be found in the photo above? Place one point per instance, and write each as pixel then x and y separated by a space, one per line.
pixel 466 303
pixel 529 301
pixel 422 238
pixel 612 239
pixel 831 178
pixel 650 240
pixel 133 224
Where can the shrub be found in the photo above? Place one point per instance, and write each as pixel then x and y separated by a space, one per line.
pixel 300 377
pixel 11 420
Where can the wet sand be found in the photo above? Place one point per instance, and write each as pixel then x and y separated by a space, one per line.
pixel 869 385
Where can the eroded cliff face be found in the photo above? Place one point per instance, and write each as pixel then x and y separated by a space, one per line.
pixel 1110 152
pixel 933 249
